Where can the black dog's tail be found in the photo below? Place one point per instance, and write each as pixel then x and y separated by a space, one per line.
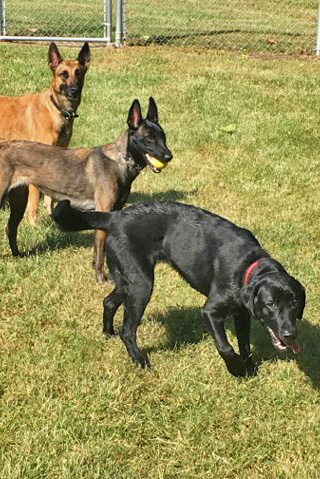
pixel 71 219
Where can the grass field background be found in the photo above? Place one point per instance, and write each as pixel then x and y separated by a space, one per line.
pixel 72 405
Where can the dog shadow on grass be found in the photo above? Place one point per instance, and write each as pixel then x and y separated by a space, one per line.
pixel 308 359
pixel 170 195
pixel 55 240
pixel 167 39
pixel 185 326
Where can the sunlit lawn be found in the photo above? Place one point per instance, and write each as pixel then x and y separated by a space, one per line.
pixel 72 404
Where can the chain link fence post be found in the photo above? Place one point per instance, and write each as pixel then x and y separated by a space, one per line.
pixel 318 33
pixel 4 18
pixel 118 37
pixel 124 22
pixel 107 19
pixel 3 22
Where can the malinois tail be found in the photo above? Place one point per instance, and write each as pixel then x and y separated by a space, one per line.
pixel 71 219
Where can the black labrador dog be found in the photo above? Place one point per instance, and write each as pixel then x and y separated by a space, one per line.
pixel 217 258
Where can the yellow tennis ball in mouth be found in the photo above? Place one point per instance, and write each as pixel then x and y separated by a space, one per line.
pixel 156 163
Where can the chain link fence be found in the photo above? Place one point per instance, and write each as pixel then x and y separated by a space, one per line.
pixel 288 26
pixel 70 20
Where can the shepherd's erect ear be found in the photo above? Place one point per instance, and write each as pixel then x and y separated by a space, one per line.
pixel 152 111
pixel 54 57
pixel 134 117
pixel 84 56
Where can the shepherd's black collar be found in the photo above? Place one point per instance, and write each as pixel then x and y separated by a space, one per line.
pixel 67 115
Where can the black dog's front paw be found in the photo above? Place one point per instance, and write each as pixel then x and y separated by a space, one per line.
pixel 142 361
pixel 240 367
pixel 109 332
pixel 251 367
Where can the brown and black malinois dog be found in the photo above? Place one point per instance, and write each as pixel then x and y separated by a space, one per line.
pixel 97 178
pixel 46 117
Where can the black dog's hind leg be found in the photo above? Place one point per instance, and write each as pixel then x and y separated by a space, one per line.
pixel 212 315
pixel 132 317
pixel 242 327
pixel 110 305
pixel 137 296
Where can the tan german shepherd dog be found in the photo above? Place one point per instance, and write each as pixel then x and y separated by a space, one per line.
pixel 46 117
pixel 91 178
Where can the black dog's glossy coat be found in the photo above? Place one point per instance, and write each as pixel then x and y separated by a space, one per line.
pixel 212 255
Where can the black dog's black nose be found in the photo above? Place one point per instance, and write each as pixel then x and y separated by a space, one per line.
pixel 168 156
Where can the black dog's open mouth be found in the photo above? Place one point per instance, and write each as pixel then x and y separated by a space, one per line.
pixel 154 164
pixel 281 346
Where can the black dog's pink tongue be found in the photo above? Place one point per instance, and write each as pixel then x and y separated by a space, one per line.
pixel 295 346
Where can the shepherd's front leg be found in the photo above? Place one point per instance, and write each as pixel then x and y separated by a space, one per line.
pixel 235 364
pixel 105 198
pixel 98 255
pixel 33 204
pixel 18 198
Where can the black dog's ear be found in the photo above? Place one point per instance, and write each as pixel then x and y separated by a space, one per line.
pixel 134 117
pixel 152 111
pixel 302 302
pixel 84 56
pixel 247 294
pixel 301 297
pixel 54 57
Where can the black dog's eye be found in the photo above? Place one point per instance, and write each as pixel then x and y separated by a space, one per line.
pixel 64 74
pixel 271 306
pixel 294 303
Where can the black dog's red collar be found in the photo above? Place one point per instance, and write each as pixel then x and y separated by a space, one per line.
pixel 249 271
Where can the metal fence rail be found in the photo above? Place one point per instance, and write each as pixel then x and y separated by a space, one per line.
pixel 288 26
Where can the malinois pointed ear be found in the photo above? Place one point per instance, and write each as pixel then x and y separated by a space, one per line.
pixel 134 117
pixel 54 57
pixel 152 111
pixel 84 56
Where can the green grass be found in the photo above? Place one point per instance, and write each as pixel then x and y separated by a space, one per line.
pixel 72 405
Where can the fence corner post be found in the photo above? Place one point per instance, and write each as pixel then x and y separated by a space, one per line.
pixel 107 20
pixel 118 36
pixel 318 32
